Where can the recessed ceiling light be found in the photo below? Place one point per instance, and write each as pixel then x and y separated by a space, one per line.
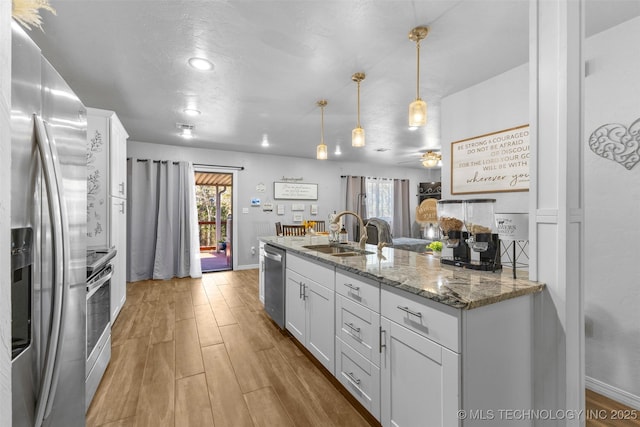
pixel 265 140
pixel 191 112
pixel 413 127
pixel 201 64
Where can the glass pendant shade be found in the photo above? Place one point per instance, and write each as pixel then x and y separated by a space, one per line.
pixel 321 151
pixel 418 113
pixel 357 137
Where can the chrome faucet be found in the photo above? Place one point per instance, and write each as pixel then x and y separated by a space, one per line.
pixel 363 233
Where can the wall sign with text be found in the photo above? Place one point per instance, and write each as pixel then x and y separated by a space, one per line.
pixel 491 163
pixel 295 191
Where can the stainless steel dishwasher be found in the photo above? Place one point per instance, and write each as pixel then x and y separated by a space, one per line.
pixel 274 283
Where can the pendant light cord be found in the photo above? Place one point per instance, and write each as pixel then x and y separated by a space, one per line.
pixel 322 125
pixel 418 70
pixel 358 103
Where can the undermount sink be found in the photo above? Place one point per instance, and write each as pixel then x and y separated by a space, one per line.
pixel 341 251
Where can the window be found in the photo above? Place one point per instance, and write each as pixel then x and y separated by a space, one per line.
pixel 380 199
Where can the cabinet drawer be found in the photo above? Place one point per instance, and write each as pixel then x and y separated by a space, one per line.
pixel 440 324
pixel 359 327
pixel 359 376
pixel 322 274
pixel 357 290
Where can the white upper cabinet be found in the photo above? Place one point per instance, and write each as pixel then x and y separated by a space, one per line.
pixel 106 172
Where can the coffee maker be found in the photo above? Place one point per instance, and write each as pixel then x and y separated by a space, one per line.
pixel 467 228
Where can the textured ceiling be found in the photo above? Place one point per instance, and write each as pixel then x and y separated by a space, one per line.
pixel 274 59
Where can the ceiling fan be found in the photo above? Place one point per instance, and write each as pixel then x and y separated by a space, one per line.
pixel 429 159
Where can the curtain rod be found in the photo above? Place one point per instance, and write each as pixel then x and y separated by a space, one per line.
pixel 241 168
pixel 154 161
pixel 371 177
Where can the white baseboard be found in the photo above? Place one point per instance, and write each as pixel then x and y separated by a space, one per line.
pixel 612 392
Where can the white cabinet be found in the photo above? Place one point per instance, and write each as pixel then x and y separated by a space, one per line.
pixel 118 234
pixel 310 308
pixel 420 380
pixel 107 194
pixel 437 360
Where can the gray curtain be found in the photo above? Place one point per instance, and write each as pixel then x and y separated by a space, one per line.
pixel 355 197
pixel 163 240
pixel 401 213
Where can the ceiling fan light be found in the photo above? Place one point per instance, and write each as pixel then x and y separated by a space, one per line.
pixel 417 113
pixel 321 151
pixel 431 159
pixel 357 137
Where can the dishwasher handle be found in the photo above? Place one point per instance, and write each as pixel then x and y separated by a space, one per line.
pixel 272 256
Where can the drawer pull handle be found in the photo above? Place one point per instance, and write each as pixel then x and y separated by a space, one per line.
pixel 301 291
pixel 304 291
pixel 353 328
pixel 413 313
pixel 121 185
pixel 353 288
pixel 353 378
pixel 383 344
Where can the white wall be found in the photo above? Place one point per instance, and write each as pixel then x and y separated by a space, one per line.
pixel 499 103
pixel 5 211
pixel 265 169
pixel 612 212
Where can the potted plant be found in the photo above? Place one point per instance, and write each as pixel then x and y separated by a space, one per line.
pixel 436 248
pixel 222 246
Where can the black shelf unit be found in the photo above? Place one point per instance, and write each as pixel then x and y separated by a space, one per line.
pixel 429 190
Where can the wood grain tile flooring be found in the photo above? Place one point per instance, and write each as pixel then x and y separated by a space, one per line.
pixel 202 352
pixel 604 412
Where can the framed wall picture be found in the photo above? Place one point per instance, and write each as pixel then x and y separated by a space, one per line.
pixel 491 163
pixel 295 191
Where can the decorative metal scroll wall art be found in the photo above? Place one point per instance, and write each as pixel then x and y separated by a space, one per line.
pixel 616 142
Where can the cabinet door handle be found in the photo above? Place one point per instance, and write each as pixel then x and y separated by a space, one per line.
pixel 121 185
pixel 353 288
pixel 304 291
pixel 353 328
pixel 121 207
pixel 300 289
pixel 353 378
pixel 413 313
pixel 381 341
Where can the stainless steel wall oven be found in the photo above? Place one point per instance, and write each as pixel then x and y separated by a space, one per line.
pixel 99 272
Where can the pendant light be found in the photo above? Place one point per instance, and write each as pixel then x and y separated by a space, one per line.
pixel 418 108
pixel 357 135
pixel 321 150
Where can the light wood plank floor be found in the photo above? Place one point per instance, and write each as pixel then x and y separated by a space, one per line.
pixel 604 412
pixel 202 352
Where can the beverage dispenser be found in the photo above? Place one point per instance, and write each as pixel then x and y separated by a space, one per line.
pixel 477 247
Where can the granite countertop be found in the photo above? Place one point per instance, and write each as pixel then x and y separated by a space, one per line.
pixel 420 274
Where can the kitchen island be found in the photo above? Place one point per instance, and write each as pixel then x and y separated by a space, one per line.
pixel 415 342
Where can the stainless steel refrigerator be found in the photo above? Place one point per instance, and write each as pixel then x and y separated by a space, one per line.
pixel 48 220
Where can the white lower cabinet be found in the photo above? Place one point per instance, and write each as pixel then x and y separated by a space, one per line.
pixel 411 361
pixel 309 314
pixel 420 379
pixel 118 239
pixel 358 375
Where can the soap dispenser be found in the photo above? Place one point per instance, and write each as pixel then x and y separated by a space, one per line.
pixel 343 236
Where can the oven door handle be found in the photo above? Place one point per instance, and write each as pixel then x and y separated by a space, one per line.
pixel 97 283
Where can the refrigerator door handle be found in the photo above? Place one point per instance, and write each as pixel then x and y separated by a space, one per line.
pixel 60 226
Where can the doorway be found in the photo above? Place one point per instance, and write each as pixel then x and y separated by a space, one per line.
pixel 214 201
